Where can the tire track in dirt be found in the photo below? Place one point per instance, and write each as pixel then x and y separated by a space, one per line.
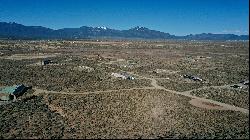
pixel 203 100
pixel 196 101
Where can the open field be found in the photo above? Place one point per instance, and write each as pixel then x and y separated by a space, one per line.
pixel 77 97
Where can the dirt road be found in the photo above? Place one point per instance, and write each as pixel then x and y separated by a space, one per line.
pixel 187 94
pixel 198 101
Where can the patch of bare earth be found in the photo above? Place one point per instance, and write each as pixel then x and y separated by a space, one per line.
pixel 205 105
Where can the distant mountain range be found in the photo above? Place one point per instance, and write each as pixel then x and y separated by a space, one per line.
pixel 14 30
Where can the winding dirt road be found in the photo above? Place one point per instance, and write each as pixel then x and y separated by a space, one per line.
pixel 195 99
pixel 187 94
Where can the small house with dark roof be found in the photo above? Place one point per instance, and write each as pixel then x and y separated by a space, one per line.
pixel 12 92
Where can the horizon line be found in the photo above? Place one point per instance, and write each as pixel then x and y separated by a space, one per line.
pixel 122 29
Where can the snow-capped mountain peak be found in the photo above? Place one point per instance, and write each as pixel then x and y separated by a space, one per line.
pixel 102 27
pixel 139 28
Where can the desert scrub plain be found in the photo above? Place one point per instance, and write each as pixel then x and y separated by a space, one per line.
pixel 63 77
pixel 77 97
pixel 134 114
pixel 226 95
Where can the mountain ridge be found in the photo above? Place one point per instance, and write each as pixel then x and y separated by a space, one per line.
pixel 16 30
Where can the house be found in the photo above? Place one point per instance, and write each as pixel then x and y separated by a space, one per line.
pixel 20 89
pixel 245 82
pixel 117 75
pixel 129 77
pixel 236 86
pixel 195 78
pixel 88 69
pixel 46 62
pixel 123 75
pixel 187 76
pixel 12 92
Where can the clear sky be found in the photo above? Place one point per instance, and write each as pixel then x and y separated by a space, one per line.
pixel 179 17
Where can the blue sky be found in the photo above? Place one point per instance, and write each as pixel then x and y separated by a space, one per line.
pixel 179 17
